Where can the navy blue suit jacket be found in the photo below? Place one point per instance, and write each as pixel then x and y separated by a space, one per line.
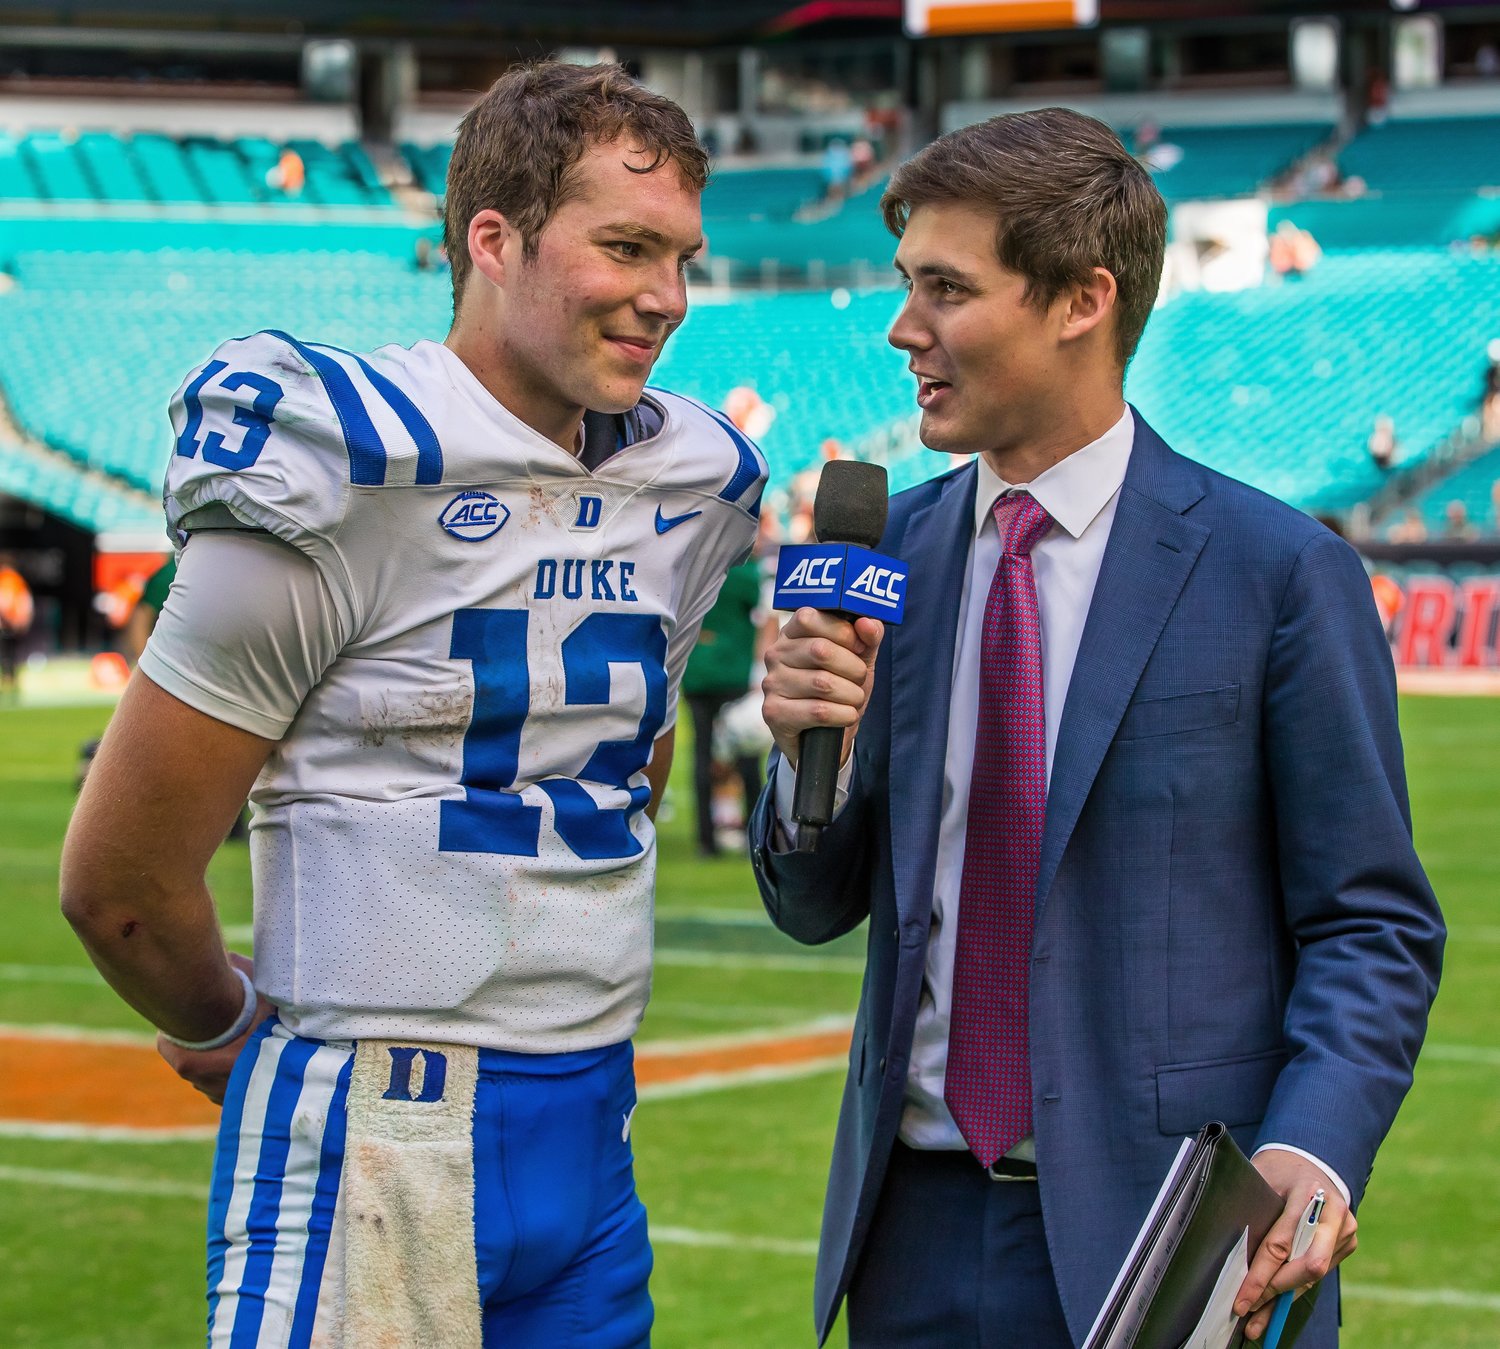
pixel 1231 921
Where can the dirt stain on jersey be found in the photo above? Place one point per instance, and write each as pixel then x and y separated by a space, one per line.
pixel 431 718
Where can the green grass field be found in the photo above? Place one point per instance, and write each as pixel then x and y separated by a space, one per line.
pixel 102 1242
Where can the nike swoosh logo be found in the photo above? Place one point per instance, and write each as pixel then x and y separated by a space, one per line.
pixel 666 522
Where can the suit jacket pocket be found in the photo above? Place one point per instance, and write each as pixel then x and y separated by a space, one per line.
pixel 1234 1091
pixel 1183 712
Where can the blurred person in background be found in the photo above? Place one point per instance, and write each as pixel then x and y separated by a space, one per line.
pixel 1456 522
pixel 1123 804
pixel 718 674
pixel 466 579
pixel 17 610
pixel 1382 442
pixel 147 610
pixel 1489 397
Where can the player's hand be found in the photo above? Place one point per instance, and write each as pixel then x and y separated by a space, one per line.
pixel 1272 1271
pixel 819 672
pixel 207 1070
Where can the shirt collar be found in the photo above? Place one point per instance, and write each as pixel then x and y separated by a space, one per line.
pixel 1075 489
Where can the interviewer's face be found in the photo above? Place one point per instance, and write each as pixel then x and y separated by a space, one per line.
pixel 988 363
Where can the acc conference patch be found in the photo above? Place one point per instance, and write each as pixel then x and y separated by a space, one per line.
pixel 474 516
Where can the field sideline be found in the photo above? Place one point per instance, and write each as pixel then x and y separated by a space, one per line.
pixel 741 1060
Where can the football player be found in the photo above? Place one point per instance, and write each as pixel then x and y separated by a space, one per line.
pixel 434 604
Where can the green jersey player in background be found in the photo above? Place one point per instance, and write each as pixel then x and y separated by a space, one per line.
pixel 432 611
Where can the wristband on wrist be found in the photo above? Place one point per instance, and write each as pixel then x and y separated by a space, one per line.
pixel 241 1022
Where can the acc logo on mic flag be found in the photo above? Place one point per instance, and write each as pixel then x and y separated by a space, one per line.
pixel 841 576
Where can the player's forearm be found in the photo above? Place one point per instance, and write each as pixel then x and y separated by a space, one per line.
pixel 162 953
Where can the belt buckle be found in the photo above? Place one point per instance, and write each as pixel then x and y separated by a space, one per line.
pixel 1009 1175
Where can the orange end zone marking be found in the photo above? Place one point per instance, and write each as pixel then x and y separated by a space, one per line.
pixel 51 1080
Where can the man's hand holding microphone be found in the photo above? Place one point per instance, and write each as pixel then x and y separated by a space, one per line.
pixel 821 668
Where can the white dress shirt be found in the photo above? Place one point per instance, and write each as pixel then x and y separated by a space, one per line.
pixel 1080 493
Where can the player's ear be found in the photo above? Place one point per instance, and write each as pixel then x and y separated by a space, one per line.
pixel 494 246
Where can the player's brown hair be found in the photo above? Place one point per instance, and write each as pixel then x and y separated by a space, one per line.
pixel 517 147
pixel 1067 197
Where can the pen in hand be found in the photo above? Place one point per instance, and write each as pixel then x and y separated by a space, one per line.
pixel 1300 1242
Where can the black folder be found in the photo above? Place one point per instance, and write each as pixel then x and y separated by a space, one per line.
pixel 1211 1199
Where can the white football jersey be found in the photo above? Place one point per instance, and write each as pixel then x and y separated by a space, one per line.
pixel 450 842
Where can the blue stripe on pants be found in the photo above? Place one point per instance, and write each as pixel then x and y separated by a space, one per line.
pixel 325 1201
pixel 266 1199
pixel 225 1158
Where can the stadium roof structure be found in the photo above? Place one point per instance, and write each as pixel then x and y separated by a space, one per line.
pixel 592 22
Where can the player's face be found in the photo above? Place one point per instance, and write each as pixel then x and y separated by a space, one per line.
pixel 589 315
pixel 988 364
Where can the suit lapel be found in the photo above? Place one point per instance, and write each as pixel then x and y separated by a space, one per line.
pixel 1152 550
pixel 935 547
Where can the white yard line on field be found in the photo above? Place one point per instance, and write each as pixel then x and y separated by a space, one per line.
pixel 58 1178
pixel 48 1132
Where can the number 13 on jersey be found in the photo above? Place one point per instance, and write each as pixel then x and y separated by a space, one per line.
pixel 493 817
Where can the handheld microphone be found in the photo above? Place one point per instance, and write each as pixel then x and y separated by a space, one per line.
pixel 849 509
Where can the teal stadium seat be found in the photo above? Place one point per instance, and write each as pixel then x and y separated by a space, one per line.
pixel 166 170
pixel 1233 161
pixel 1280 385
pixel 112 167
pixel 58 167
pixel 17 181
pixel 1474 485
pixel 1423 155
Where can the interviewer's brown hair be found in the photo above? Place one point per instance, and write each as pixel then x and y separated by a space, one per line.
pixel 518 146
pixel 1067 197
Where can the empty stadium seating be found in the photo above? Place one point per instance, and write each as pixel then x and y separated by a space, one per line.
pixel 133 324
pixel 1232 161
pixel 1474 486
pixel 1280 385
pixel 1426 154
pixel 99 167
pixel 86 499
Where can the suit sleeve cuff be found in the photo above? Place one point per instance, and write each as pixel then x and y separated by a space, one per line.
pixel 1338 1180
pixel 783 789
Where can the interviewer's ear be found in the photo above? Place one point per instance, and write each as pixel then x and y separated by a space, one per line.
pixel 1089 304
pixel 495 246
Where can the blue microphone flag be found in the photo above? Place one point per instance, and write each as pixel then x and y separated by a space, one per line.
pixel 841 576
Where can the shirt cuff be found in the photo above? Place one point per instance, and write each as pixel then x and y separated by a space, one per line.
pixel 1338 1180
pixel 784 792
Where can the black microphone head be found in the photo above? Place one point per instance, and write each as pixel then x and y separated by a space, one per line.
pixel 851 503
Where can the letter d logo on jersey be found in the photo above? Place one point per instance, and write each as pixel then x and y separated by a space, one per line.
pixel 474 516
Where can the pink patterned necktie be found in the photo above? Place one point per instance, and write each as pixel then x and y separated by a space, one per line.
pixel 988 1084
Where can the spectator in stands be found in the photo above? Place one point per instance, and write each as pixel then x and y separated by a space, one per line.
pixel 1409 529
pixel 1377 97
pixel 288 174
pixel 804 488
pixel 1487 61
pixel 862 161
pixel 16 612
pixel 838 169
pixel 1456 522
pixel 1156 154
pixel 1382 443
pixel 1489 402
pixel 1294 252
